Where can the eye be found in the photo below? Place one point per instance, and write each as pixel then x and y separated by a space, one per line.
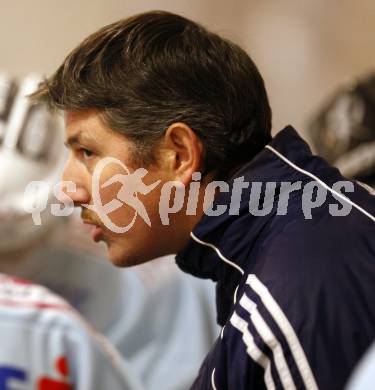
pixel 85 153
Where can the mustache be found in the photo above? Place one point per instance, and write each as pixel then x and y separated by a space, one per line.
pixel 88 215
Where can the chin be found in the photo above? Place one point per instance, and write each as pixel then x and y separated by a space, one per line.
pixel 121 257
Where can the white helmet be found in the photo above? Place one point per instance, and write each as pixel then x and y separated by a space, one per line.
pixel 31 149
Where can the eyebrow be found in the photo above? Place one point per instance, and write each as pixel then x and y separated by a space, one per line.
pixel 76 139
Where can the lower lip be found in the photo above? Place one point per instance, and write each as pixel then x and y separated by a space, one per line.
pixel 96 233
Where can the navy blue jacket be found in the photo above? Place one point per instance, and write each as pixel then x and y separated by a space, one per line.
pixel 295 288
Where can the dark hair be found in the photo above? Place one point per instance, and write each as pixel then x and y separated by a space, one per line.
pixel 154 69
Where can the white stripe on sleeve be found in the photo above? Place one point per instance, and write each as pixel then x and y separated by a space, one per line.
pixel 251 348
pixel 287 329
pixel 270 340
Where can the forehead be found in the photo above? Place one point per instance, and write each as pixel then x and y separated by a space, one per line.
pixel 88 126
pixel 83 122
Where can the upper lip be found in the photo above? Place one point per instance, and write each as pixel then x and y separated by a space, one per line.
pixel 89 222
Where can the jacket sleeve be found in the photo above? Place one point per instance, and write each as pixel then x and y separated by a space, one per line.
pixel 304 314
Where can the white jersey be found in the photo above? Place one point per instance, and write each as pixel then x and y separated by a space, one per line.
pixel 162 321
pixel 46 345
pixel 363 377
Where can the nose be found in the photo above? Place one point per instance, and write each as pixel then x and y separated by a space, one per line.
pixel 74 173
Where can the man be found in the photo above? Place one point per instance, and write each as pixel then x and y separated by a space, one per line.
pixel 57 254
pixel 160 92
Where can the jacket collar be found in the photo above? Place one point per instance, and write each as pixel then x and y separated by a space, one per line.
pixel 219 247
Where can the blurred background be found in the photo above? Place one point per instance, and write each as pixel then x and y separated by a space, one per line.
pixel 304 49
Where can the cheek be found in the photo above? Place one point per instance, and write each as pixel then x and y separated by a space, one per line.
pixel 124 216
pixel 104 176
pixel 128 201
pixel 108 193
pixel 125 213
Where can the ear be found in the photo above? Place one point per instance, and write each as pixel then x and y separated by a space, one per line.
pixel 183 152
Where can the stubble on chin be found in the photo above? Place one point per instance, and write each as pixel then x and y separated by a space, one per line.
pixel 122 258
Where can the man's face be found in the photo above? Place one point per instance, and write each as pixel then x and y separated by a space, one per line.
pixel 90 142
